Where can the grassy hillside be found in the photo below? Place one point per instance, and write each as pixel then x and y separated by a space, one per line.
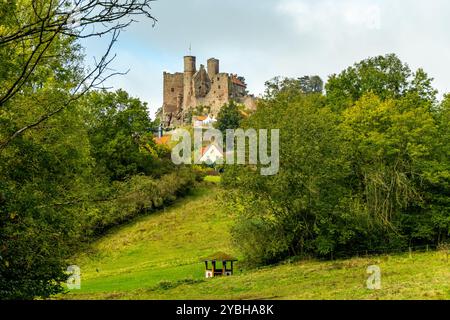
pixel 158 257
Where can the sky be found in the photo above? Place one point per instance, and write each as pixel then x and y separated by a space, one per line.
pixel 261 39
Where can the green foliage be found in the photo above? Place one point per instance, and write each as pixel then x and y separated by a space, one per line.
pixel 431 220
pixel 59 153
pixel 229 117
pixel 137 195
pixel 362 168
pixel 311 84
pixel 388 142
pixel 121 134
pixel 279 215
pixel 56 191
pixel 293 86
pixel 38 174
pixel 70 177
pixel 42 168
pixel 385 76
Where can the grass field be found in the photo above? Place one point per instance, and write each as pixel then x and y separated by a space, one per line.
pixel 159 257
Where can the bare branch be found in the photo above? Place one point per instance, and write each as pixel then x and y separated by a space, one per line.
pixel 94 79
pixel 87 13
pixel 58 19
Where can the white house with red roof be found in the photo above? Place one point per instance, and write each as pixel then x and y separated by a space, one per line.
pixel 211 154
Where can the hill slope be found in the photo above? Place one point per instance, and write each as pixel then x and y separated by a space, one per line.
pixel 158 257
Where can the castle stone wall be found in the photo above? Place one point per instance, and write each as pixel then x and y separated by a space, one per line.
pixel 205 87
pixel 173 87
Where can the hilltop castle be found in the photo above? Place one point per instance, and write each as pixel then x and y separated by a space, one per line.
pixel 210 88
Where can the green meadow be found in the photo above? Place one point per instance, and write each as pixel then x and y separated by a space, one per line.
pixel 159 256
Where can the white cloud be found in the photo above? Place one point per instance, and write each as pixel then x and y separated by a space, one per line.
pixel 327 14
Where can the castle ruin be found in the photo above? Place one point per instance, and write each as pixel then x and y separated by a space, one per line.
pixel 183 92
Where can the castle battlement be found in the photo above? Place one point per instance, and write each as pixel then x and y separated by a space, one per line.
pixel 208 87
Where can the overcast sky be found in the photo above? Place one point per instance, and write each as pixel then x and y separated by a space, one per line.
pixel 260 39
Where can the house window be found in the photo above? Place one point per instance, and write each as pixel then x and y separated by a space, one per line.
pixel 172 89
pixel 218 79
pixel 219 86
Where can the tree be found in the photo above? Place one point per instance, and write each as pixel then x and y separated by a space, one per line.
pixel 47 180
pixel 372 174
pixel 386 76
pixel 311 84
pixel 388 142
pixel 431 220
pixel 121 135
pixel 37 32
pixel 278 85
pixel 278 216
pixel 229 117
pixel 39 174
pixel 305 84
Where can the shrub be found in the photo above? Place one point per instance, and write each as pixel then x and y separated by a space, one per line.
pixel 137 195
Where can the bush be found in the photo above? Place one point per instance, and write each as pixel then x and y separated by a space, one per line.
pixel 137 195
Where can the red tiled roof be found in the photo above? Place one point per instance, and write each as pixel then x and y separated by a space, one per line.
pixel 162 140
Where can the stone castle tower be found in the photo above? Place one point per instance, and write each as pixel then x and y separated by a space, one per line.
pixel 203 87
